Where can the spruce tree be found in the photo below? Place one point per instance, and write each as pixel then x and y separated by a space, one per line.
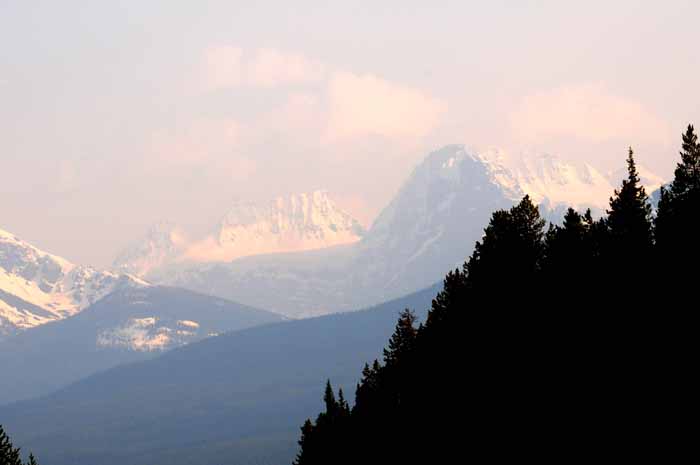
pixel 329 399
pixel 10 455
pixel 402 340
pixel 629 217
pixel 677 223
pixel 305 454
pixel 510 252
pixel 687 173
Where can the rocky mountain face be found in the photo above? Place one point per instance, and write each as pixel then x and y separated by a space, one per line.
pixel 298 222
pixel 37 287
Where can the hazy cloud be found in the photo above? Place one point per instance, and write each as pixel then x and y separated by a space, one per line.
pixel 229 66
pixel 366 104
pixel 588 112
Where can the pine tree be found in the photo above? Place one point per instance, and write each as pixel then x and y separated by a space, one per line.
pixel 677 223
pixel 329 399
pixel 9 455
pixel 510 251
pixel 629 217
pixel 305 455
pixel 687 173
pixel 402 340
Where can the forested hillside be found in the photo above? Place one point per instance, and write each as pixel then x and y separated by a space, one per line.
pixel 557 343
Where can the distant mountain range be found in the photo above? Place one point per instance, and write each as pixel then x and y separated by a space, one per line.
pixel 37 287
pixel 240 397
pixel 128 325
pixel 302 255
pixel 427 229
pixel 237 398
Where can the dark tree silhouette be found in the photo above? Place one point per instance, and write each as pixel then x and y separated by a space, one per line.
pixel 545 345
pixel 10 455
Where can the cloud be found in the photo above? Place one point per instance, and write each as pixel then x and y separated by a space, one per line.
pixel 194 143
pixel 332 105
pixel 588 112
pixel 366 104
pixel 209 146
pixel 230 66
pixel 270 67
pixel 223 67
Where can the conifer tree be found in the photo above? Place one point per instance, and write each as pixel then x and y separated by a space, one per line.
pixel 10 455
pixel 687 173
pixel 402 340
pixel 677 223
pixel 629 217
pixel 511 249
pixel 329 400
pixel 305 454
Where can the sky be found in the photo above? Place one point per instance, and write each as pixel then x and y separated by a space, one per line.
pixel 117 115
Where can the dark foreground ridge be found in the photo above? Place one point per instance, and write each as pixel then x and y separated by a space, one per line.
pixel 559 344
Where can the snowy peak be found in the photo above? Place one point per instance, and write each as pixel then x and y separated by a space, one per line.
pixel 550 180
pixel 297 222
pixel 37 287
pixel 163 243
pixel 303 221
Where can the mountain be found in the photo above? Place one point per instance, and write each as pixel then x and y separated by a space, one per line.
pixel 286 224
pixel 552 182
pixel 163 243
pixel 128 325
pixel 236 398
pixel 428 228
pixel 299 222
pixel 37 287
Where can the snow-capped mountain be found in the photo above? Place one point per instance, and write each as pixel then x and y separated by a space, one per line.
pixel 429 227
pixel 286 224
pixel 37 287
pixel 163 244
pixel 551 181
pixel 298 222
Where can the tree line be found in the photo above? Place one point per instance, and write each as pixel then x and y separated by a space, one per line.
pixel 573 341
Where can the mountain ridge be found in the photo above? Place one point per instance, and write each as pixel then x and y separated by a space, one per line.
pixel 427 229
pixel 37 287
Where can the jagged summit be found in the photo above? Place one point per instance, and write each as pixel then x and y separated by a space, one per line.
pixel 37 287
pixel 298 222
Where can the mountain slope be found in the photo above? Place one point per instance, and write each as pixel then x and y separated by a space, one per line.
pixel 37 287
pixel 127 325
pixel 237 398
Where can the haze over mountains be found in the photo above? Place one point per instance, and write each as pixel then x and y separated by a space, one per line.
pixel 436 216
pixel 298 257
pixel 302 255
